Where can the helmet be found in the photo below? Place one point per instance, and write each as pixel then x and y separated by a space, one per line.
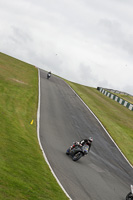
pixel 90 139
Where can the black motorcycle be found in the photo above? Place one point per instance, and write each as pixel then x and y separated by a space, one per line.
pixel 130 194
pixel 77 151
pixel 48 75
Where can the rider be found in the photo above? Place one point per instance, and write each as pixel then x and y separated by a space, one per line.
pixel 48 74
pixel 84 142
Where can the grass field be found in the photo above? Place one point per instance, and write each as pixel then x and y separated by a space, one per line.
pixel 24 175
pixel 117 119
pixel 127 98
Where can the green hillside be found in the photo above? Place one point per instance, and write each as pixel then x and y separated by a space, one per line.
pixel 117 119
pixel 126 97
pixel 24 175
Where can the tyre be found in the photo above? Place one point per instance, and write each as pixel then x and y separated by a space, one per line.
pixel 129 196
pixel 77 156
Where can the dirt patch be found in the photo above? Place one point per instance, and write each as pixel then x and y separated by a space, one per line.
pixel 18 81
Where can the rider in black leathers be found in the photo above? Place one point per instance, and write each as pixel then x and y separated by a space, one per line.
pixel 48 74
pixel 83 142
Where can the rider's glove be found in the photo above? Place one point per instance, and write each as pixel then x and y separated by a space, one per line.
pixel 77 143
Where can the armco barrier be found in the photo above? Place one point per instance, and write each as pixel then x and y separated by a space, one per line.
pixel 116 98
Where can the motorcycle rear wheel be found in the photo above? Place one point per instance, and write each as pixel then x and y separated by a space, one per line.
pixel 77 156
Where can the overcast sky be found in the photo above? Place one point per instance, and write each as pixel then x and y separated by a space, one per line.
pixel 86 41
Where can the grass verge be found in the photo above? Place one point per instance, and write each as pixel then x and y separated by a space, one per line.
pixel 24 174
pixel 127 98
pixel 117 119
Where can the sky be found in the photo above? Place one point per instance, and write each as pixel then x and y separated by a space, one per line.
pixel 87 42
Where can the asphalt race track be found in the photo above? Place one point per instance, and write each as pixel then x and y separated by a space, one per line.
pixel 103 174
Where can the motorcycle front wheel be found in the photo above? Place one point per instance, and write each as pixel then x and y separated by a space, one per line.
pixel 77 156
pixel 129 196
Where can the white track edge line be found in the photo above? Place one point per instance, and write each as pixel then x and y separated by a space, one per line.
pixel 38 135
pixel 100 124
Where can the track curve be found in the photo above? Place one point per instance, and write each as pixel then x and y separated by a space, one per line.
pixel 103 174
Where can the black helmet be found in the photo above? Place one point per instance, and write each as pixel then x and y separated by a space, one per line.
pixel 90 139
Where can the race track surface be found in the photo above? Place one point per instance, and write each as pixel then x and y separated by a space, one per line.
pixel 103 174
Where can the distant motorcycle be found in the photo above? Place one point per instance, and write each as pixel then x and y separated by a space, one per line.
pixel 77 151
pixel 130 194
pixel 48 75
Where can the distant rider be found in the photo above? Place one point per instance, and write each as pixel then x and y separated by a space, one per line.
pixel 48 74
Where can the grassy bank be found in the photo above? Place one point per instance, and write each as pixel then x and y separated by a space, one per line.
pixel 127 98
pixel 117 119
pixel 24 175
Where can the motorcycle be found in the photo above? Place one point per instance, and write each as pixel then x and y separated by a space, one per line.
pixel 130 194
pixel 48 75
pixel 77 151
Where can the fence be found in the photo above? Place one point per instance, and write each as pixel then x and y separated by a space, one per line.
pixel 116 98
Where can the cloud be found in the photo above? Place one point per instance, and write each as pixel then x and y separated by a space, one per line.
pixel 72 37
pixel 114 33
pixel 20 36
